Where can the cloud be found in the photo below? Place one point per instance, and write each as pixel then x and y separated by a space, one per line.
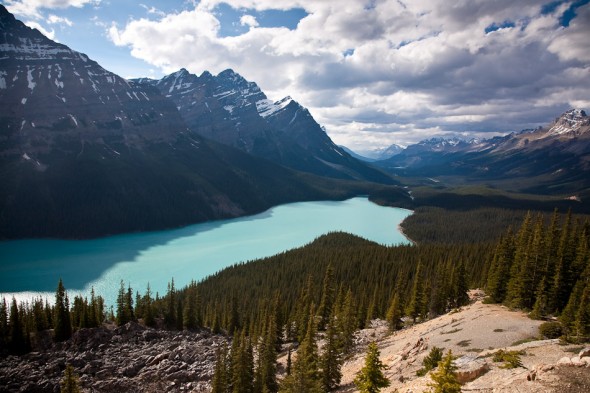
pixel 249 20
pixel 394 71
pixel 53 19
pixel 30 8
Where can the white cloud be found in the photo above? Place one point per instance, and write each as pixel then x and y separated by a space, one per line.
pixel 249 20
pixel 54 19
pixel 30 8
pixel 411 68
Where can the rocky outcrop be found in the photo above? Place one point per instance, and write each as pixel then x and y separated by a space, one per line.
pixel 470 368
pixel 130 358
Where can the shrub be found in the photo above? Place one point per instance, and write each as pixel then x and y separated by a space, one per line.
pixel 511 359
pixel 551 330
pixel 430 361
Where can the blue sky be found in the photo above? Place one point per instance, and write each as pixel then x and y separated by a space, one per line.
pixel 373 72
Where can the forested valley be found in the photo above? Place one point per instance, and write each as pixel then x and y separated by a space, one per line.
pixel 330 288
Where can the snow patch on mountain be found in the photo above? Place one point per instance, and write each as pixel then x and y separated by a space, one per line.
pixel 268 108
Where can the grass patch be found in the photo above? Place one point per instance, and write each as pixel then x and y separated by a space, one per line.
pixel 464 343
pixel 477 350
pixel 498 330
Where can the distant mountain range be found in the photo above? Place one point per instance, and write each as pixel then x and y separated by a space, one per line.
pixel 549 160
pixel 84 152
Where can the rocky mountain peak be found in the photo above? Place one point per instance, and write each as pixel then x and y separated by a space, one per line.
pixel 573 122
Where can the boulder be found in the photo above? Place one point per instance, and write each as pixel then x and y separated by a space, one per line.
pixel 470 368
pixel 565 361
pixel 584 353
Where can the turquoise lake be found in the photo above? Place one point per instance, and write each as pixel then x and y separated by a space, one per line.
pixel 33 267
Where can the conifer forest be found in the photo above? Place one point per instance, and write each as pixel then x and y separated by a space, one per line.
pixel 336 285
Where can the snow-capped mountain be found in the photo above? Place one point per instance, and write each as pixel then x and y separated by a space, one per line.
pixel 49 92
pixel 557 156
pixel 229 109
pixel 84 152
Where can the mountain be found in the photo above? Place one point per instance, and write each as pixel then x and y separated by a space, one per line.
pixel 231 110
pixel 84 152
pixel 549 160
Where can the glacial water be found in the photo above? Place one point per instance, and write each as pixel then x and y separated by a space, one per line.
pixel 33 267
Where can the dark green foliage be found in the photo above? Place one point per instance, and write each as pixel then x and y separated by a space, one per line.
pixel 305 374
pixel 370 378
pixel 3 323
pixel 511 359
pixel 543 269
pixel 416 302
pixel 332 356
pixel 62 324
pixel 394 314
pixel 551 330
pixel 444 379
pixel 430 361
pixel 328 298
pixel 69 382
pixel 125 311
pixel 221 382
pixel 16 343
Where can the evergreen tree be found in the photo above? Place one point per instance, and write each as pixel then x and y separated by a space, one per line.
pixel 3 323
pixel 69 382
pixel 305 375
pixel 461 286
pixel 170 314
pixel 582 323
pixel 415 305
pixel 394 314
pixel 266 380
pixel 346 323
pixel 148 308
pixel 125 312
pixel 370 378
pixel 331 358
pixel 499 273
pixel 444 378
pixel 328 298
pixel 518 290
pixel 17 342
pixel 62 325
pixel 242 364
pixel 220 382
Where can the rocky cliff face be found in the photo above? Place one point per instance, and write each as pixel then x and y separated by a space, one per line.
pixel 53 97
pixel 231 110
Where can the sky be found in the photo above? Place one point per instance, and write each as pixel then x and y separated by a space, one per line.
pixel 373 72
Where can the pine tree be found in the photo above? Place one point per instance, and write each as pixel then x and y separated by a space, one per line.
pixel 148 307
pixel 582 323
pixel 461 287
pixel 242 364
pixel 220 382
pixel 347 323
pixel 499 273
pixel 3 323
pixel 370 378
pixel 266 379
pixel 170 314
pixel 305 375
pixel 518 290
pixel 394 314
pixel 62 325
pixel 69 382
pixel 444 378
pixel 17 342
pixel 328 298
pixel 415 304
pixel 331 358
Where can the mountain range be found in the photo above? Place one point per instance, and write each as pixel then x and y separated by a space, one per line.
pixel 84 152
pixel 231 110
pixel 550 160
